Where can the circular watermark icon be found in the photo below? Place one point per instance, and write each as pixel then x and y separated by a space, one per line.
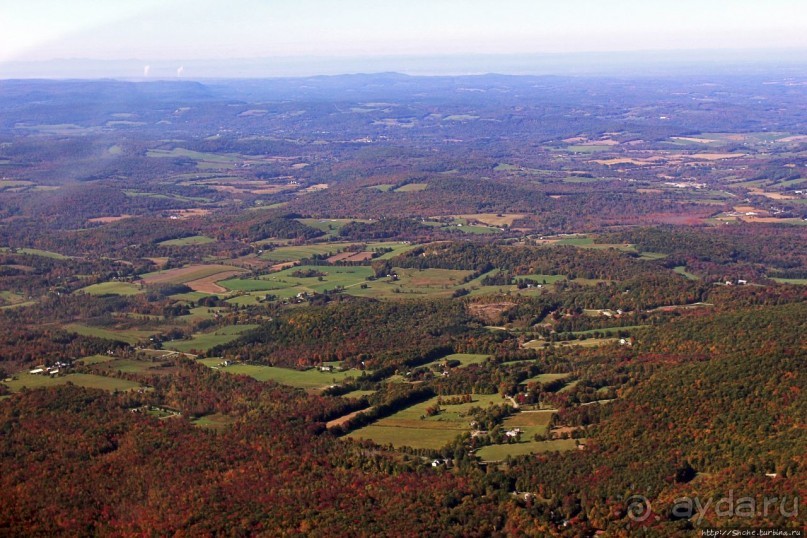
pixel 639 508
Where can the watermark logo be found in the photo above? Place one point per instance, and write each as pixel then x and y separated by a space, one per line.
pixel 735 507
pixel 639 508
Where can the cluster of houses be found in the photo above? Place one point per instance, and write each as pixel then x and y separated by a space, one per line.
pixel 50 370
pixel 685 184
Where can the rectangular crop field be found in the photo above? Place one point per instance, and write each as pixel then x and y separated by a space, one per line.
pixel 466 359
pixel 205 341
pixel 130 336
pixel 500 452
pixel 413 187
pixel 411 427
pixel 796 281
pixel 95 359
pixel 37 252
pixel 285 254
pixel 358 393
pixel 682 270
pixel 530 423
pixel 134 366
pixel 216 421
pixel 186 274
pixel 83 380
pixel 306 379
pixel 545 378
pixel 113 288
pixel 184 241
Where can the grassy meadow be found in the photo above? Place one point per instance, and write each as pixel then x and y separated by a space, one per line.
pixel 204 341
pixel 501 452
pixel 411 427
pixel 311 379
pixel 92 381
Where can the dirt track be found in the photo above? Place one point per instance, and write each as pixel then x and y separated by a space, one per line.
pixel 341 420
pixel 208 284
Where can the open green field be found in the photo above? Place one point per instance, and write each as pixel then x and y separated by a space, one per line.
pixel 791 183
pixel 461 117
pixel 580 179
pixel 588 242
pixel 407 428
pixel 185 274
pixel 293 253
pixel 682 270
pixel 581 241
pixel 59 128
pixel 588 342
pixel 733 138
pixel 396 246
pixel 256 284
pixel 130 336
pixel 609 330
pixel 429 438
pixel 195 155
pixel 466 359
pixel 12 183
pixel 306 379
pixel 467 224
pixel 583 148
pixel 570 386
pixel 414 282
pixel 530 423
pixel 652 256
pixel 161 196
pixel 250 299
pixel 11 298
pixel 191 296
pixel 95 359
pixel 358 393
pixel 500 452
pixel 113 288
pixel 412 187
pixel 461 225
pixel 287 254
pixel 353 279
pixel 329 226
pixel 82 380
pixel 545 378
pixel 542 279
pixel 205 341
pixel 475 229
pixel 200 312
pixel 798 281
pixel 192 240
pixel 130 366
pixel 334 276
pixel 590 281
pixel 216 421
pixel 37 252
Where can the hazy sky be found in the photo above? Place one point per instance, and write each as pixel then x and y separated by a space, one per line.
pixel 214 29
